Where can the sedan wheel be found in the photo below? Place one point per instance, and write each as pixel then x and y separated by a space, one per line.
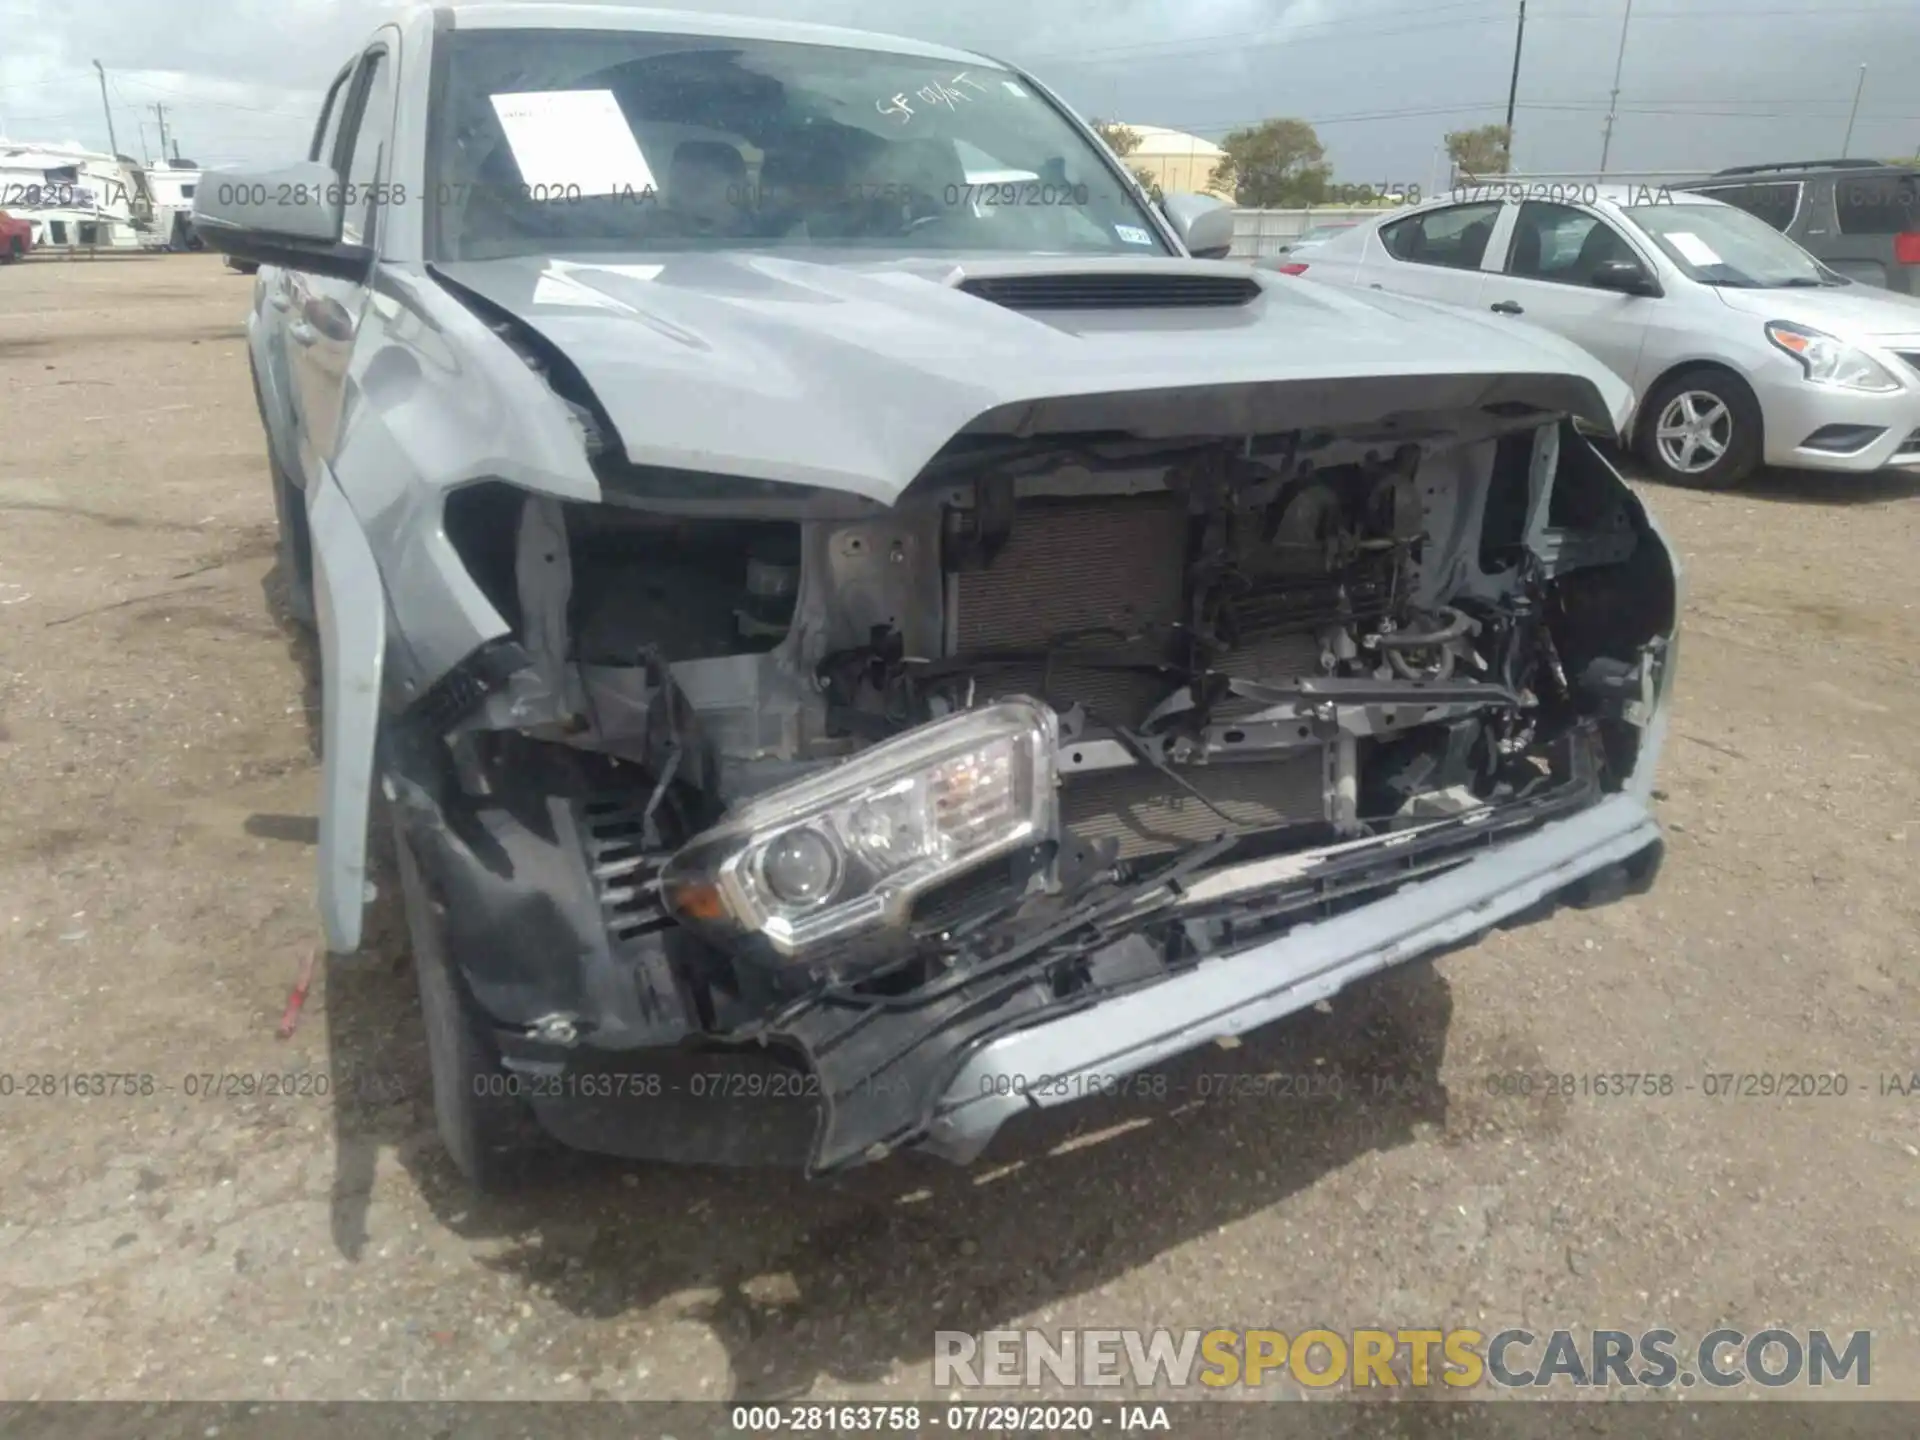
pixel 1702 429
pixel 1694 431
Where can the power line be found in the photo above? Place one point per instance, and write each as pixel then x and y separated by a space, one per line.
pixel 1404 113
pixel 181 98
pixel 1595 109
pixel 1199 46
pixel 1257 39
pixel 37 84
pixel 187 97
pixel 1808 12
pixel 1644 105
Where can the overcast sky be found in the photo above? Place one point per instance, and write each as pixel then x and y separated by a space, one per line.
pixel 1706 82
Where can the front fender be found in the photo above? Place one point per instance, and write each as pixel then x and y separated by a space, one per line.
pixel 271 386
pixel 350 605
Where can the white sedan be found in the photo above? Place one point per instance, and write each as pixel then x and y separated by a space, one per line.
pixel 1741 348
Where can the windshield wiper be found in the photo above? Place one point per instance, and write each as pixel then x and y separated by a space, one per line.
pixel 1799 282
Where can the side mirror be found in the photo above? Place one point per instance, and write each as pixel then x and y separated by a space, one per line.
pixel 288 217
pixel 1625 276
pixel 1204 224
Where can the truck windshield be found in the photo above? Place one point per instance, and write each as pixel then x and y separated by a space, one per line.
pixel 574 140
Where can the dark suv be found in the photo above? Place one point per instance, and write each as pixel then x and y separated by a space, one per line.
pixel 1859 217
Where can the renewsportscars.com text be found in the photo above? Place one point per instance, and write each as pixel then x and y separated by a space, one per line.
pixel 1457 1358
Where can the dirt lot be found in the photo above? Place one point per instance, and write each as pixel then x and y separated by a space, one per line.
pixel 155 897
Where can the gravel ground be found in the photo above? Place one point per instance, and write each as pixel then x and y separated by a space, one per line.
pixel 155 898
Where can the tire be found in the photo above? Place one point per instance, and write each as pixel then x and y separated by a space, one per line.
pixel 296 547
pixel 490 1135
pixel 15 250
pixel 1702 429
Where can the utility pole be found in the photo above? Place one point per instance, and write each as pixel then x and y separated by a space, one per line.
pixel 1513 87
pixel 160 114
pixel 1613 102
pixel 112 144
pixel 1858 86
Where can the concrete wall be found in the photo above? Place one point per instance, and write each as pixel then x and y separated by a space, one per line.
pixel 1263 232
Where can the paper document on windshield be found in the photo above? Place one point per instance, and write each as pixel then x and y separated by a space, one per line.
pixel 1692 248
pixel 570 143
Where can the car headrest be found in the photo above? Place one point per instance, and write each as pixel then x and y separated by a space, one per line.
pixel 713 155
pixel 1600 246
pixel 1526 250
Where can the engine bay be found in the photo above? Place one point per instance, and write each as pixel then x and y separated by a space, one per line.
pixel 1275 643
pixel 864 784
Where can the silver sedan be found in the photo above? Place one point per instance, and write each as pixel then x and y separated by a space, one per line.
pixel 1741 348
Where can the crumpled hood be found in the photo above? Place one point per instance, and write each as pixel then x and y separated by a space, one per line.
pixel 830 370
pixel 1854 310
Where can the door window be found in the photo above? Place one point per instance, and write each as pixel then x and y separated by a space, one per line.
pixel 1562 244
pixel 1878 204
pixel 328 130
pixel 366 147
pixel 1454 236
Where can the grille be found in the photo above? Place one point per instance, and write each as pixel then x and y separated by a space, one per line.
pixel 624 876
pixel 1070 566
pixel 1149 815
pixel 1126 291
pixel 1909 446
pixel 1912 357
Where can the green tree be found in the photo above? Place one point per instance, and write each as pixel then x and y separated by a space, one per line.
pixel 1123 140
pixel 1276 163
pixel 1487 150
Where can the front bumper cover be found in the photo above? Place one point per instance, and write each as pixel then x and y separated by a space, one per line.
pixel 942 1069
pixel 1792 410
pixel 1077 1053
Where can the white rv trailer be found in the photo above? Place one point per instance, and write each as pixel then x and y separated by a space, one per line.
pixel 78 199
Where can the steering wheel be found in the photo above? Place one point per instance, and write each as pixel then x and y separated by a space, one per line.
pixel 920 222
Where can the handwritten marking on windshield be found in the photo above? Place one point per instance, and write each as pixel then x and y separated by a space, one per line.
pixel 941 92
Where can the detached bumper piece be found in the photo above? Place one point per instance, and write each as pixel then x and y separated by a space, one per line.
pixel 891 1067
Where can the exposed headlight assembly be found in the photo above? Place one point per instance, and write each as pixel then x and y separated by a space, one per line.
pixel 842 852
pixel 1829 361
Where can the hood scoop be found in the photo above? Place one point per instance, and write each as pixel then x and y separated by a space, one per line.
pixel 1113 290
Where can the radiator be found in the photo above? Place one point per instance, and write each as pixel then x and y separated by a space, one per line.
pixel 1073 565
pixel 1119 562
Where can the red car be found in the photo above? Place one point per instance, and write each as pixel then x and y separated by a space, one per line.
pixel 16 238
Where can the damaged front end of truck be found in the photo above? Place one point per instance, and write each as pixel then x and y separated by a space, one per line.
pixel 1128 721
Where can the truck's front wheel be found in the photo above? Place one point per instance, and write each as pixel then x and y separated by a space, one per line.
pixel 487 1129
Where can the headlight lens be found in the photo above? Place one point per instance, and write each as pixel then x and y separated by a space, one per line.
pixel 1829 361
pixel 800 867
pixel 849 849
